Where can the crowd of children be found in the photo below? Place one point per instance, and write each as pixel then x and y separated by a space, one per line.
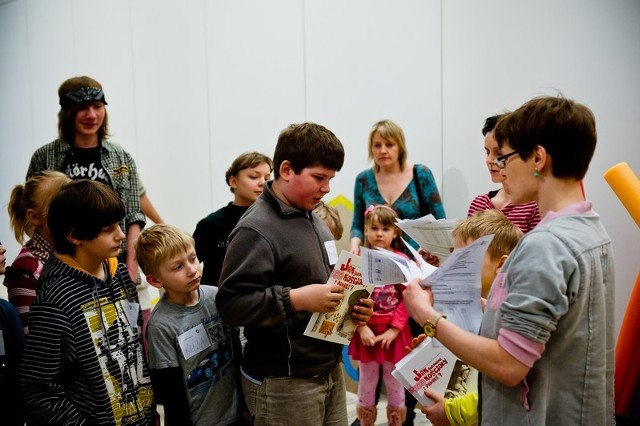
pixel 233 352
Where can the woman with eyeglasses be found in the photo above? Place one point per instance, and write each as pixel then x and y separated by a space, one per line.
pixel 525 216
pixel 547 341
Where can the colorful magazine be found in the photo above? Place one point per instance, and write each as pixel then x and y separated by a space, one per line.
pixel 337 326
pixel 436 368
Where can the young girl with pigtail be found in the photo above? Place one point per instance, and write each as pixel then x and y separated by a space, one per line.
pixel 28 208
pixel 383 340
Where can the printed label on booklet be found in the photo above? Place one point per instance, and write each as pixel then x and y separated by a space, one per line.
pixel 434 367
pixel 338 326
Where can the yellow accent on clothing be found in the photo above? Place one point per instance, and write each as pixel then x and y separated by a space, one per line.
pixel 462 410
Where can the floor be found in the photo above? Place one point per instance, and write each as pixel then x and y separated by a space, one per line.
pixel 352 400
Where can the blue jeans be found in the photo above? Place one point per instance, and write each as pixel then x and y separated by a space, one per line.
pixel 312 401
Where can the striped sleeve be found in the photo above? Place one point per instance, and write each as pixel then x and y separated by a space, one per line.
pixel 524 216
pixel 41 368
pixel 481 202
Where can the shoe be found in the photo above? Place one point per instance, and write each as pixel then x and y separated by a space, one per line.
pixel 356 422
pixel 366 415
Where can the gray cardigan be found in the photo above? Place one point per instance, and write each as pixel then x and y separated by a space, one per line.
pixel 559 297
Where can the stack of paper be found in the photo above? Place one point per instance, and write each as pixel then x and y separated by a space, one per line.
pixel 431 234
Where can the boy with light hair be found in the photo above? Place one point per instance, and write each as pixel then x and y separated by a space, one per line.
pixel 190 349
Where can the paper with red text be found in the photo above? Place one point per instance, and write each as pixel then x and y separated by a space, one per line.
pixel 435 368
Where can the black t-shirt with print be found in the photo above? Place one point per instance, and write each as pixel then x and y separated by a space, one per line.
pixel 84 163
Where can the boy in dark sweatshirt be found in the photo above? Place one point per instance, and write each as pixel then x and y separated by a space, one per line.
pixel 274 277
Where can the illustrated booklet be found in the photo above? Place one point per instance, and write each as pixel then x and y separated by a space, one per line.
pixel 434 367
pixel 337 326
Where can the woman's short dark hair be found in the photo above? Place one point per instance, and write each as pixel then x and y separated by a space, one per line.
pixel 563 127
pixel 490 123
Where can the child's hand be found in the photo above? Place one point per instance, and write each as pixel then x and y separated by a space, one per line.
pixel 362 311
pixel 316 297
pixel 415 342
pixel 429 258
pixel 354 246
pixel 367 336
pixel 387 337
pixel 435 413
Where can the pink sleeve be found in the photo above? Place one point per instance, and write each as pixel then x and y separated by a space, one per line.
pixel 524 350
pixel 400 317
pixel 481 202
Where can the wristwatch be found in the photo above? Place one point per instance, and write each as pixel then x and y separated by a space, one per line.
pixel 430 326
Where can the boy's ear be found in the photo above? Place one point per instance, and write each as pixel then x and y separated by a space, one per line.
pixel 503 259
pixel 233 182
pixel 72 239
pixel 286 170
pixel 151 279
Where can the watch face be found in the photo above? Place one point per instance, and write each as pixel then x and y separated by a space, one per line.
pixel 429 329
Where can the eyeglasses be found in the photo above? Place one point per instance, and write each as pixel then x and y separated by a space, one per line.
pixel 501 162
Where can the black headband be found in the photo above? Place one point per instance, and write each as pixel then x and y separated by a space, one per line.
pixel 86 94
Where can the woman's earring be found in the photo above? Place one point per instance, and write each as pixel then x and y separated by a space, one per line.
pixel 536 174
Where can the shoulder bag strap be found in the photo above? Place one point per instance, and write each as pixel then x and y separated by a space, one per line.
pixel 416 183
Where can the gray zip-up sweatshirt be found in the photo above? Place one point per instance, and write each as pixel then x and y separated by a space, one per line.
pixel 274 248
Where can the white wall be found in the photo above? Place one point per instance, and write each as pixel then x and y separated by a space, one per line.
pixel 190 85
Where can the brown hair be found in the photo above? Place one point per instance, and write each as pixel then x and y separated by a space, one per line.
pixel 82 208
pixel 564 128
pixel 308 145
pixel 35 194
pixel 385 216
pixel 67 116
pixel 487 222
pixel 246 161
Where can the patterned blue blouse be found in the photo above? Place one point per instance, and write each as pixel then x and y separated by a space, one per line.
pixel 407 206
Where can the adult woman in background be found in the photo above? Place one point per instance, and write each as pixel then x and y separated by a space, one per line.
pixel 525 216
pixel 407 188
